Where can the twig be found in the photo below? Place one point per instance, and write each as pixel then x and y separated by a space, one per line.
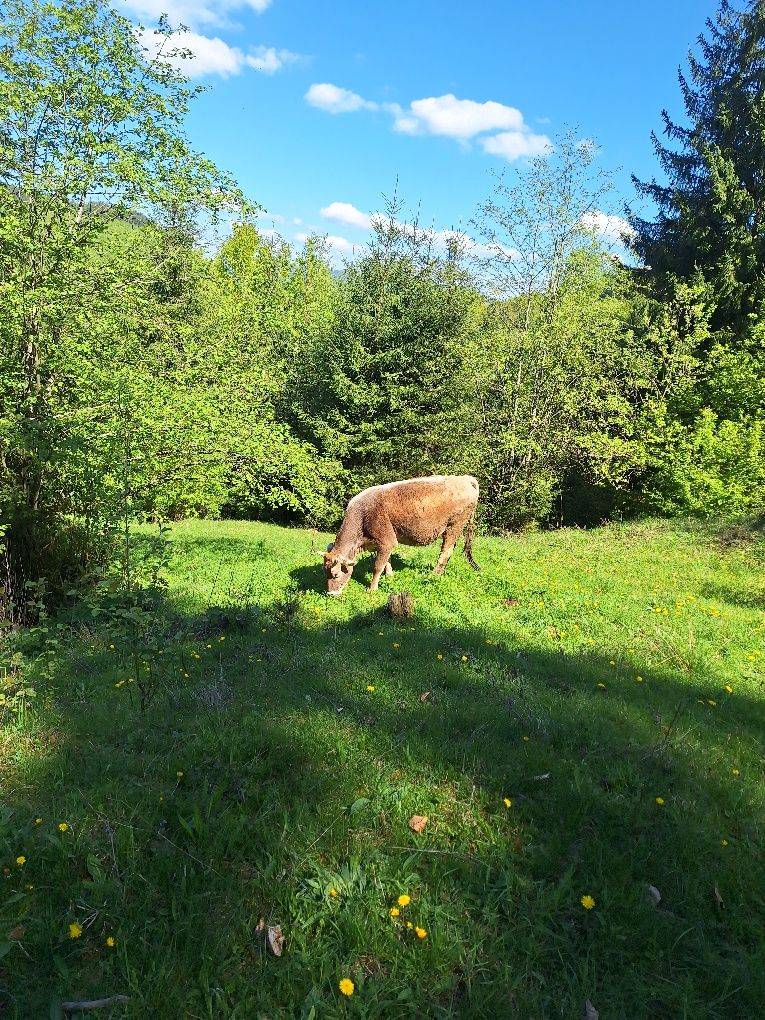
pixel 77 1007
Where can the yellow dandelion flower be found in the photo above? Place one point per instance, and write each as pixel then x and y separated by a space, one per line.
pixel 394 912
pixel 63 826
pixel 75 930
pixel 723 842
pixel 21 860
pixel 587 902
pixel 179 775
pixel 404 900
pixel 507 802
pixel 29 888
pixel 735 772
pixel 440 657
pixel 333 892
pixel 420 933
pixel 660 801
pixel 711 702
pixel 396 644
pixel 119 683
pixel 346 986
pixel 111 942
pixel 729 689
pixel 638 679
pixel 526 739
pixel 222 638
pixel 464 658
pixel 370 688
pixel 409 924
pixel 38 821
pixel 602 686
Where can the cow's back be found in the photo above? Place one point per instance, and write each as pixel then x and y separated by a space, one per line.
pixel 419 509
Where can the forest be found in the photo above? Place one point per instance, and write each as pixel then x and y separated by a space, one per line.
pixel 155 366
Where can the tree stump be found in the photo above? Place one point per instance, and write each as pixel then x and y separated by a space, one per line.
pixel 401 605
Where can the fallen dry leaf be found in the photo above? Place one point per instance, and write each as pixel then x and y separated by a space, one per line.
pixel 276 940
pixel 654 895
pixel 417 823
pixel 719 900
pixel 246 871
pixel 590 1013
pixel 425 695
pixel 260 925
pixel 17 933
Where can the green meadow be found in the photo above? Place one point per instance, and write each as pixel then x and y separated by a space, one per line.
pixel 581 723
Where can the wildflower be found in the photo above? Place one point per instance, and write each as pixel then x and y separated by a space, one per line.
pixel 404 900
pixel 111 942
pixel 222 637
pixel 394 912
pixel 464 658
pixel 209 646
pixel 587 902
pixel 119 683
pixel 729 689
pixel 507 802
pixel 74 930
pixel 711 702
pixel 346 986
pixel 409 924
pixel 526 739
pixel 420 933
pixel 38 821
pixel 396 644
pixel 29 888
pixel 62 826
pixel 723 842
pixel 179 775
pixel 638 679
pixel 603 686
pixel 660 801
pixel 370 688
pixel 440 657
pixel 735 772
pixel 21 860
pixel 611 662
pixel 333 892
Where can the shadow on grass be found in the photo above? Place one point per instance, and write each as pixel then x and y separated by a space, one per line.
pixel 270 773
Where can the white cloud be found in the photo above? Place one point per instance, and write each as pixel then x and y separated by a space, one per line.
pixel 193 13
pixel 211 55
pixel 344 212
pixel 270 60
pixel 610 228
pixel 457 118
pixel 333 99
pixel 512 145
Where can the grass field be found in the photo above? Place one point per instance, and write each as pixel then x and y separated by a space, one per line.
pixel 580 721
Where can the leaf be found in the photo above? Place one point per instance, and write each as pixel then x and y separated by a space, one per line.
pixel 425 695
pixel 417 823
pixel 275 939
pixel 589 1013
pixel 359 805
pixel 17 933
pixel 95 871
pixel 719 900
pixel 654 895
pixel 260 926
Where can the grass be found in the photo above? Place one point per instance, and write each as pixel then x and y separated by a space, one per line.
pixel 607 684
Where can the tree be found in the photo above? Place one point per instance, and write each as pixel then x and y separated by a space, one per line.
pixel 90 130
pixel 711 210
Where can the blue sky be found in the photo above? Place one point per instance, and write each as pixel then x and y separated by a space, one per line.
pixel 318 108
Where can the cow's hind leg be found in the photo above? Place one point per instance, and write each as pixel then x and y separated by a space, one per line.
pixel 451 535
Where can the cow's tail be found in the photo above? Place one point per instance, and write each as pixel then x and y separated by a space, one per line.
pixel 468 546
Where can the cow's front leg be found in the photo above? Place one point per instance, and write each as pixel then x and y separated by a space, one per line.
pixel 381 563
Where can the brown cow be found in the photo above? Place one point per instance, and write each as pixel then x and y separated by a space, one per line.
pixel 414 512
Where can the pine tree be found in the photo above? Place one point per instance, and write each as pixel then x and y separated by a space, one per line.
pixel 711 211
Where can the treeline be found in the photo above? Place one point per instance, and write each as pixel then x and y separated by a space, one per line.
pixel 148 373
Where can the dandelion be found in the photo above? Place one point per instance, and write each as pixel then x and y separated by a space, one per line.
pixel 735 772
pixel 660 801
pixel 21 860
pixel 346 986
pixel 611 662
pixel 409 924
pixel 602 686
pixel 711 702
pixel 394 912
pixel 29 888
pixel 420 933
pixel 75 930
pixel 587 902
pixel 38 821
pixel 371 688
pixel 63 826
pixel 396 644
pixel 729 689
pixel 119 683
pixel 179 775
pixel 638 679
pixel 222 638
pixel 333 892
pixel 404 900
pixel 111 942
pixel 526 739
pixel 464 658
pixel 507 802
pixel 440 657
pixel 723 842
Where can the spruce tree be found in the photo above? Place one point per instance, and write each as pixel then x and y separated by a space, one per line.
pixel 711 211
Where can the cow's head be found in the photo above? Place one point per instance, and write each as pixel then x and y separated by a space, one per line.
pixel 338 570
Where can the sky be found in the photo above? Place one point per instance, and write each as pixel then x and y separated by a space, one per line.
pixel 322 109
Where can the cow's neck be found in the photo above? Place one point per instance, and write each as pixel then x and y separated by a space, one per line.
pixel 349 540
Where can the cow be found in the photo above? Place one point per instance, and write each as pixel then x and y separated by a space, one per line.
pixel 412 512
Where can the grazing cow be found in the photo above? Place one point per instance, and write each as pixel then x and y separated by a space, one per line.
pixel 414 512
